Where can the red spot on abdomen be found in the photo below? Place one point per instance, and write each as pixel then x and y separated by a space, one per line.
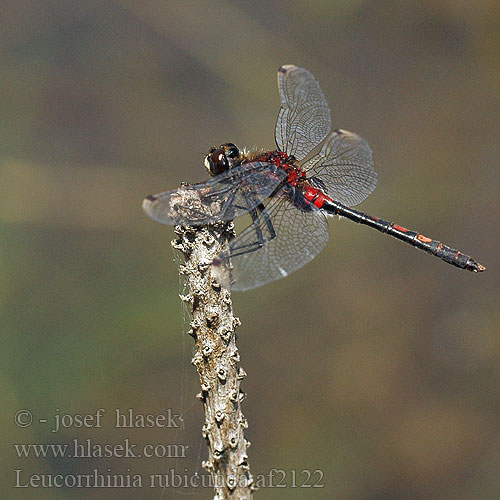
pixel 423 238
pixel 315 196
pixel 399 228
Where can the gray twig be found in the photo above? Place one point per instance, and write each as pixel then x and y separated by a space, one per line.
pixel 216 357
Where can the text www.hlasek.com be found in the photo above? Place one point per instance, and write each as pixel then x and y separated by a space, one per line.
pixel 88 449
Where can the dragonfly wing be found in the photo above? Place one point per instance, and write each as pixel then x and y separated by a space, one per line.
pixel 224 197
pixel 304 118
pixel 295 238
pixel 343 168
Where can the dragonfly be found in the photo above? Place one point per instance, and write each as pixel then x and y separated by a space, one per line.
pixel 288 192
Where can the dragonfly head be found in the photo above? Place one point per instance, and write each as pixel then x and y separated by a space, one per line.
pixel 223 158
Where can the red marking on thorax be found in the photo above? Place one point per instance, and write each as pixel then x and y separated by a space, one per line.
pixel 295 175
pixel 279 158
pixel 282 160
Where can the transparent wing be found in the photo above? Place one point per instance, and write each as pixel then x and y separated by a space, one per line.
pixel 304 118
pixel 343 168
pixel 224 197
pixel 294 238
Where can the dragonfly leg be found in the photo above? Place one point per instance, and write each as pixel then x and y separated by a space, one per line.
pixel 256 221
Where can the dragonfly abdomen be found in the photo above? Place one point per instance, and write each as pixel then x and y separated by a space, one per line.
pixel 418 240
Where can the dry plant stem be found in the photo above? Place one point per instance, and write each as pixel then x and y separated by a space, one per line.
pixel 216 359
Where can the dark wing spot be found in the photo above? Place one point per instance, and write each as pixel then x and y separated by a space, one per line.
pixel 150 197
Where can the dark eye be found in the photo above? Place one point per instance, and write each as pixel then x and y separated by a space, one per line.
pixel 233 151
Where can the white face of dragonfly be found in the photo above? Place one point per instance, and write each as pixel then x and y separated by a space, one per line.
pixel 223 158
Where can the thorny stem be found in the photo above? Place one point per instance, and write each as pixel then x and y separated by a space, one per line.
pixel 216 359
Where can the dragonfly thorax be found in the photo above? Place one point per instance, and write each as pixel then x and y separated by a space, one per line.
pixel 284 161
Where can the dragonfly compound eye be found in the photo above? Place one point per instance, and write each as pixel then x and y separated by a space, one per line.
pixel 231 150
pixel 216 161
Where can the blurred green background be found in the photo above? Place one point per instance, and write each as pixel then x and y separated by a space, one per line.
pixel 376 363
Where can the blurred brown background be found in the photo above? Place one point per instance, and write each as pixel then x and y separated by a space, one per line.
pixel 376 363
